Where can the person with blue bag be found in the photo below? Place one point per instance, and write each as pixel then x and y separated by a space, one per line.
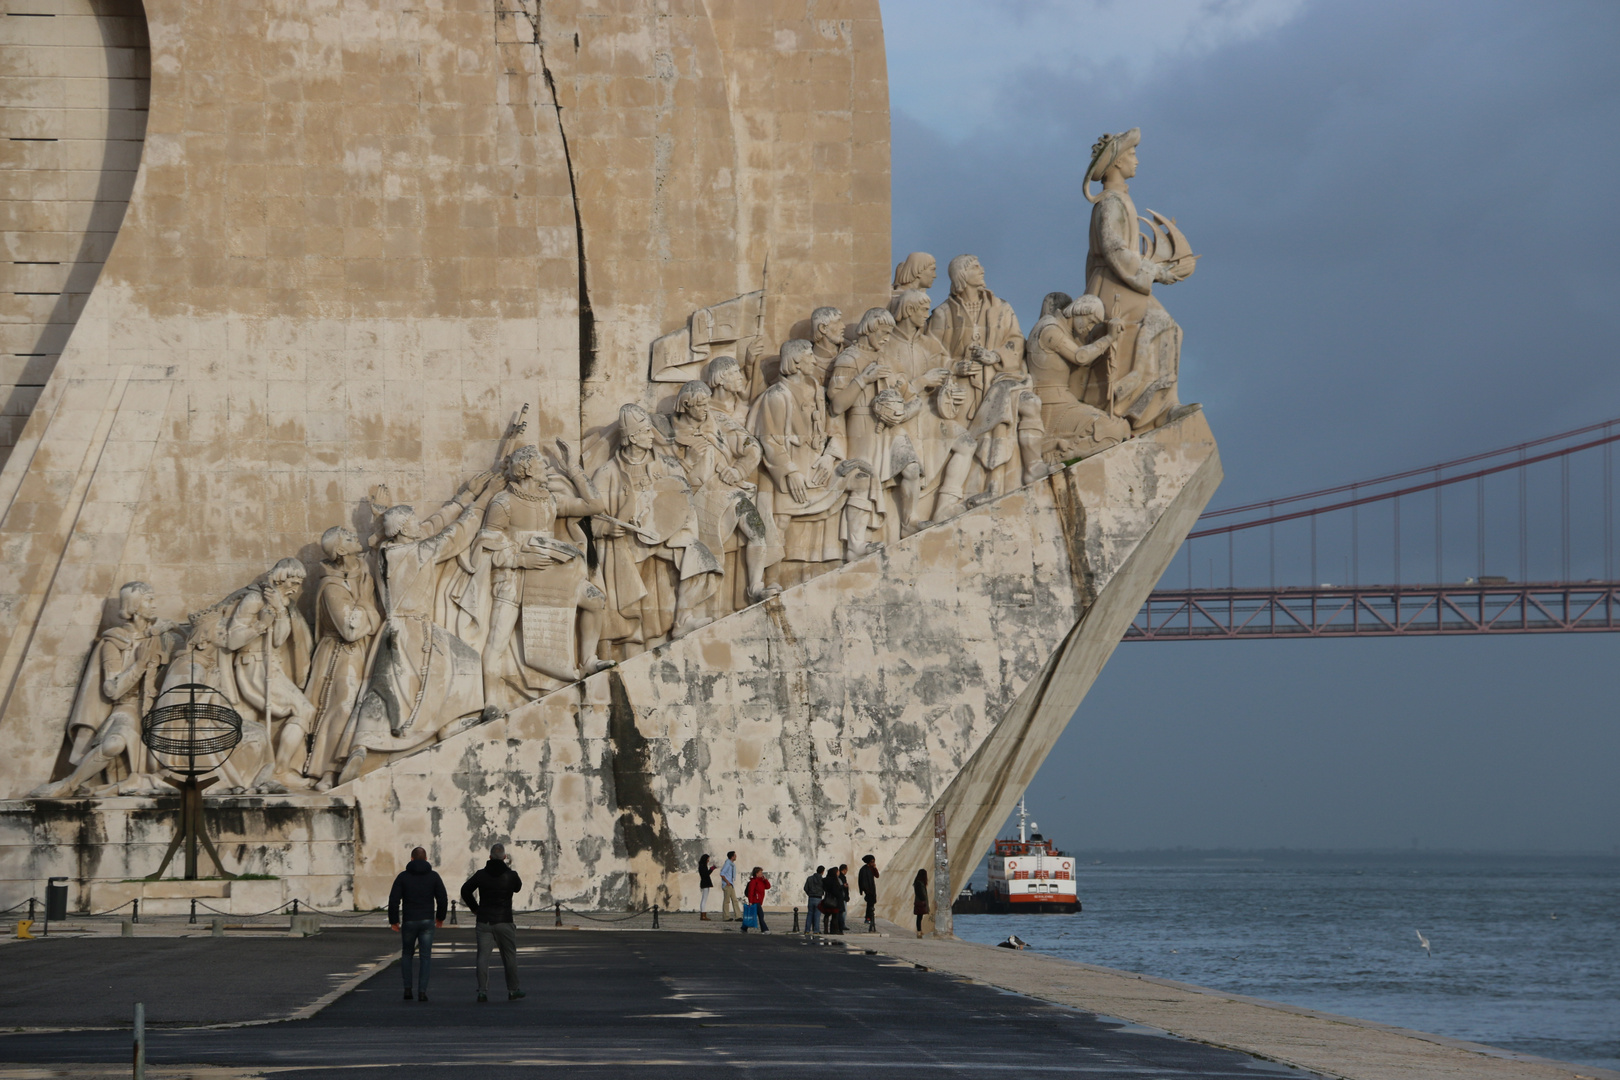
pixel 754 893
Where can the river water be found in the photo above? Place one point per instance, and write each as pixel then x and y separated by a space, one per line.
pixel 1525 950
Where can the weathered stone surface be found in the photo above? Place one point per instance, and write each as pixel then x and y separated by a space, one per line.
pixel 829 722
pixel 103 846
pixel 824 724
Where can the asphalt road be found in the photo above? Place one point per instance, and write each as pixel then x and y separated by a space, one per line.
pixel 630 1004
pixel 96 981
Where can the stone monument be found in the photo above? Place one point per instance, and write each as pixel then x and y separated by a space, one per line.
pixel 803 584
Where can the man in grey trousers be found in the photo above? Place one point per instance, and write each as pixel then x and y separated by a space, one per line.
pixel 495 885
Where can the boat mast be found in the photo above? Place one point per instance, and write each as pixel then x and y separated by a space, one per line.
pixel 1023 815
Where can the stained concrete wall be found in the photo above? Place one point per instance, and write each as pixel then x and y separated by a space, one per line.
pixel 305 843
pixel 353 250
pixel 827 723
pixel 822 725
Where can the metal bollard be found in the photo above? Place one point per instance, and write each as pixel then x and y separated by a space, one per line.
pixel 140 1041
pixel 452 913
pixel 559 913
pixel 795 920
pixel 134 911
pixel 193 918
pixel 295 907
pixel 30 909
pixel 655 916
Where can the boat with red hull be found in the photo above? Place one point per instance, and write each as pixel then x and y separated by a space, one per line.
pixel 1028 876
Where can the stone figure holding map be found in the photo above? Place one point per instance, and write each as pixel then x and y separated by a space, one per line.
pixel 538 580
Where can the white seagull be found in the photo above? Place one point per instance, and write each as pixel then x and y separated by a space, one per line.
pixel 1423 941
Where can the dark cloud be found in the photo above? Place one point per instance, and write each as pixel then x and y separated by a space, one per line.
pixel 1408 220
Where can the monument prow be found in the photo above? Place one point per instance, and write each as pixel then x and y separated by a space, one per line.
pixel 829 722
pixel 831 563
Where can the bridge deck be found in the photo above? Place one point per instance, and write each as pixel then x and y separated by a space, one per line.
pixel 1378 611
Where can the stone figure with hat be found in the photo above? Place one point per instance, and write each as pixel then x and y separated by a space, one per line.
pixel 1121 269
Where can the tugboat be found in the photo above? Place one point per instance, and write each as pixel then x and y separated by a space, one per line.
pixel 1028 876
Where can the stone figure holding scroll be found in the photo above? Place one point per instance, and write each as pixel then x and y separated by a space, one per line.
pixel 803 492
pixel 347 619
pixel 1063 353
pixel 1142 386
pixel 655 570
pixel 539 581
pixel 119 686
pixel 272 645
pixel 425 682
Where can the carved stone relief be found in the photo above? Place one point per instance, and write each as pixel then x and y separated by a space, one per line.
pixel 767 466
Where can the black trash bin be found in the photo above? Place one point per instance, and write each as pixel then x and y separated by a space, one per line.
pixel 56 899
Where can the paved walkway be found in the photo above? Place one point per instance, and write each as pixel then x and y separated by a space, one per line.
pixel 629 1004
pixel 682 1001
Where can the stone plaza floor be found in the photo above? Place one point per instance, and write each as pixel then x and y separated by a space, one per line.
pixel 632 1003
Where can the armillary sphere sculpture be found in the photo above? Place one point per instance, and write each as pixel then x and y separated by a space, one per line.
pixel 191 730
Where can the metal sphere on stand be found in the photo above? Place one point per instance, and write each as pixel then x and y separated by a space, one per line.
pixel 190 731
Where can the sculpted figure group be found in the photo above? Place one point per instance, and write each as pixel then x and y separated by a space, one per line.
pixel 767 471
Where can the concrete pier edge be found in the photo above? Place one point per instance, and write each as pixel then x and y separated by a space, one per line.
pixel 1343 1047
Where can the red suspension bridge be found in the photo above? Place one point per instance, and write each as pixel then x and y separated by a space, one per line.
pixel 1518 540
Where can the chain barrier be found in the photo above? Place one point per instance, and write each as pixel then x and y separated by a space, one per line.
pixel 239 915
pixel 20 904
pixel 99 914
pixel 587 915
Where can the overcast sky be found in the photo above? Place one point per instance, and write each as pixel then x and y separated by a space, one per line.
pixel 1409 225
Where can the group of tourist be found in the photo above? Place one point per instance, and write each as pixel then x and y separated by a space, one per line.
pixel 418 904
pixel 827 895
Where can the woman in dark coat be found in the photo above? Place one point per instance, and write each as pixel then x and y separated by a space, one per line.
pixel 919 900
pixel 705 883
pixel 834 893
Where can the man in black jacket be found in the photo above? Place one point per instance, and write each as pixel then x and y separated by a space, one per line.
pixel 495 885
pixel 420 892
pixel 868 886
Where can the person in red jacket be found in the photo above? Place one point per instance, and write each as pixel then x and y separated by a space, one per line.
pixel 754 892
